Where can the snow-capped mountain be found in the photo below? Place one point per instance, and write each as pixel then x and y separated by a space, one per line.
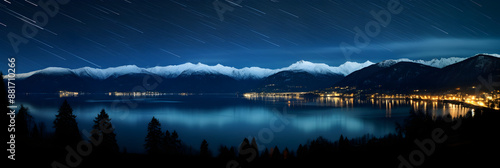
pixel 172 71
pixel 190 68
pixel 300 76
pixel 406 75
pixel 438 63
pixel 87 72
pixel 320 68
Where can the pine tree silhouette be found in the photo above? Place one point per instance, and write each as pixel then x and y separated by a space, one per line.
pixel 23 124
pixel 265 155
pixel 275 153
pixel 204 153
pixel 341 140
pixel 224 153
pixel 35 134
pixel 286 153
pixel 154 137
pixel 301 151
pixel 102 123
pixel 41 128
pixel 244 152
pixel 168 143
pixel 176 142
pixel 255 146
pixel 22 134
pixel 66 127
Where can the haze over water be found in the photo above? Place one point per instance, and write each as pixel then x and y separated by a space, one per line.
pixel 228 119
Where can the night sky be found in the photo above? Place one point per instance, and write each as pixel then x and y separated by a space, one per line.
pixel 264 33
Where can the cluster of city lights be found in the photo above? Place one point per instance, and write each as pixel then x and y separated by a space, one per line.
pixel 68 94
pixel 484 99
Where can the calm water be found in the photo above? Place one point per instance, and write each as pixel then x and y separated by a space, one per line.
pixel 228 119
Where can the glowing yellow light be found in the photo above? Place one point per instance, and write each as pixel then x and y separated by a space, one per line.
pixel 480 103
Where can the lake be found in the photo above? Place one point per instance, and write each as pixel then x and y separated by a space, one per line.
pixel 226 119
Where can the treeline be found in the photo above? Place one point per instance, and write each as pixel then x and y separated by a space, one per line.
pixel 159 143
pixel 421 141
pixel 68 147
pixel 65 147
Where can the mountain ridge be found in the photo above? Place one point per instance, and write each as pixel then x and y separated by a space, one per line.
pixel 395 75
pixel 188 68
pixel 403 76
pixel 170 71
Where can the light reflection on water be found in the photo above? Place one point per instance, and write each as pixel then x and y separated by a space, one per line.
pixel 228 119
pixel 434 107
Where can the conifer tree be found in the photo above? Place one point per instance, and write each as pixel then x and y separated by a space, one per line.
pixel 66 127
pixel 276 153
pixel 176 142
pixel 154 137
pixel 23 120
pixel 204 153
pixel 102 123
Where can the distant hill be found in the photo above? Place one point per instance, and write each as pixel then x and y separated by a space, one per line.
pixel 397 76
pixel 404 76
pixel 292 81
pixel 466 73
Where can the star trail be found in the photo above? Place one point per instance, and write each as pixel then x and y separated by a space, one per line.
pixel 264 33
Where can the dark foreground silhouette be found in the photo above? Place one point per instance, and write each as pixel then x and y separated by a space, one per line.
pixel 421 141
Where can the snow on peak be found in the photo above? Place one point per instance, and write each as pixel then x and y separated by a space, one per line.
pixel 190 68
pixel 310 67
pixel 349 67
pixel 438 63
pixel 321 68
pixel 388 63
pixel 55 70
pixel 494 55
pixel 172 71
pixel 108 72
pixel 49 70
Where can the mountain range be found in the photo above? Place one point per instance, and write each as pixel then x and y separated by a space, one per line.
pixel 406 76
pixel 400 74
pixel 173 71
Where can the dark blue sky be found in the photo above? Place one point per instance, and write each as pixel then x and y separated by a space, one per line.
pixel 264 33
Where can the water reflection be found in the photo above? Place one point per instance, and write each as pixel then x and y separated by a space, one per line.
pixel 434 107
pixel 228 119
